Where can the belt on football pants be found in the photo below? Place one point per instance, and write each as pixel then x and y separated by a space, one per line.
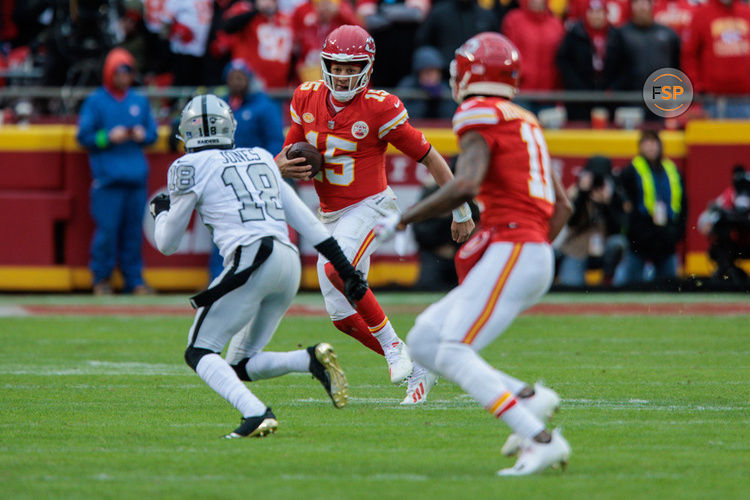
pixel 232 280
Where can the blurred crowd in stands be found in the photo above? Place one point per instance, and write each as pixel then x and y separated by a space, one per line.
pixel 580 45
pixel 627 223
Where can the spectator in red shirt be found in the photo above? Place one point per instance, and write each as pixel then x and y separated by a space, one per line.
pixel 716 55
pixel 537 33
pixel 312 21
pixel 263 38
pixel 618 11
pixel 675 14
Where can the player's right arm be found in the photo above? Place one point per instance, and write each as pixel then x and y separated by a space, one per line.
pixel 170 225
pixel 471 167
pixel 184 191
pixel 295 168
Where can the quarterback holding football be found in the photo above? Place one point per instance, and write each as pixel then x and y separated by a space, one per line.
pixel 352 125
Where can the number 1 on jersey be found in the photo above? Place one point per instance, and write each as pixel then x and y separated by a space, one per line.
pixel 540 173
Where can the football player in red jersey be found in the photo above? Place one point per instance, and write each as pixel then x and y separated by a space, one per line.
pixel 508 265
pixel 352 125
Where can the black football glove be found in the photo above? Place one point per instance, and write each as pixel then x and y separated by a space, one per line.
pixel 159 204
pixel 355 287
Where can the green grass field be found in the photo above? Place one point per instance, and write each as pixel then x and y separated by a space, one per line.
pixel 104 407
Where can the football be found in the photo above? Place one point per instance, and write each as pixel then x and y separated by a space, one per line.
pixel 309 153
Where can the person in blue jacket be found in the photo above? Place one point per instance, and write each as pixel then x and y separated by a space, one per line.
pixel 114 125
pixel 258 123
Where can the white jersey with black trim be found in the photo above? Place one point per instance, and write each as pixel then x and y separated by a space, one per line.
pixel 236 192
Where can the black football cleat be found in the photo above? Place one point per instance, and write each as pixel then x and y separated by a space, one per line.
pixel 259 426
pixel 324 366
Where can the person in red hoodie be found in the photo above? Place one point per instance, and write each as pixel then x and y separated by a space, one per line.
pixel 312 21
pixel 537 33
pixel 263 38
pixel 716 55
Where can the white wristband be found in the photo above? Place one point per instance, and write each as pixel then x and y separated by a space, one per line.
pixel 462 213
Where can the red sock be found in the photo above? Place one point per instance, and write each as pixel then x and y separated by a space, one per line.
pixel 355 327
pixel 367 307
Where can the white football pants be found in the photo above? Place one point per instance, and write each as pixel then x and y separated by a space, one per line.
pixel 448 335
pixel 256 307
pixel 352 228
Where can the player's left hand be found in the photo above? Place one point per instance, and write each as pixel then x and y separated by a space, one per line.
pixel 460 231
pixel 385 229
pixel 355 287
pixel 296 168
pixel 159 204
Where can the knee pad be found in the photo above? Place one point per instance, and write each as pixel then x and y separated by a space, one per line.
pixel 239 368
pixel 194 354
pixel 334 277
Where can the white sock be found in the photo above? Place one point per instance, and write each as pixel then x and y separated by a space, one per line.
pixel 386 336
pixel 518 418
pixel 273 364
pixel 221 378
pixel 487 385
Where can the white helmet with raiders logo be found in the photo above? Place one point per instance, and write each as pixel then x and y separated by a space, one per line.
pixel 348 44
pixel 207 122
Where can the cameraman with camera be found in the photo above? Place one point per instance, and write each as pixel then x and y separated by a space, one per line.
pixel 726 224
pixel 592 237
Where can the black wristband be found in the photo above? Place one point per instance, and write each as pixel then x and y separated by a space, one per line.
pixel 331 250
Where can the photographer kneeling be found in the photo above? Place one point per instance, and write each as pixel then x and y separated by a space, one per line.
pixel 726 223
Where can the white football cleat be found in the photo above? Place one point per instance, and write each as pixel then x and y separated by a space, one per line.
pixel 542 405
pixel 399 361
pixel 421 383
pixel 535 457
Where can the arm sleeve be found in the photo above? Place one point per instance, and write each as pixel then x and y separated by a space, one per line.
pixel 295 133
pixel 396 129
pixel 300 217
pixel 170 225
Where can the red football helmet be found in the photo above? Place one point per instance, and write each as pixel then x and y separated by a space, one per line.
pixel 486 64
pixel 348 44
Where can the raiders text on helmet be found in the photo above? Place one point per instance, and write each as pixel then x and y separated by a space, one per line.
pixel 207 122
pixel 487 64
pixel 348 44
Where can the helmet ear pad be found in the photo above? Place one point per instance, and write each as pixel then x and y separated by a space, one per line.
pixel 207 122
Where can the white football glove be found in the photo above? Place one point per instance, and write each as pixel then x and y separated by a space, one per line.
pixel 385 228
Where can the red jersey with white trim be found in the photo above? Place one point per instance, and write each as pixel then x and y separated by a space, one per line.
pixel 517 195
pixel 353 141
